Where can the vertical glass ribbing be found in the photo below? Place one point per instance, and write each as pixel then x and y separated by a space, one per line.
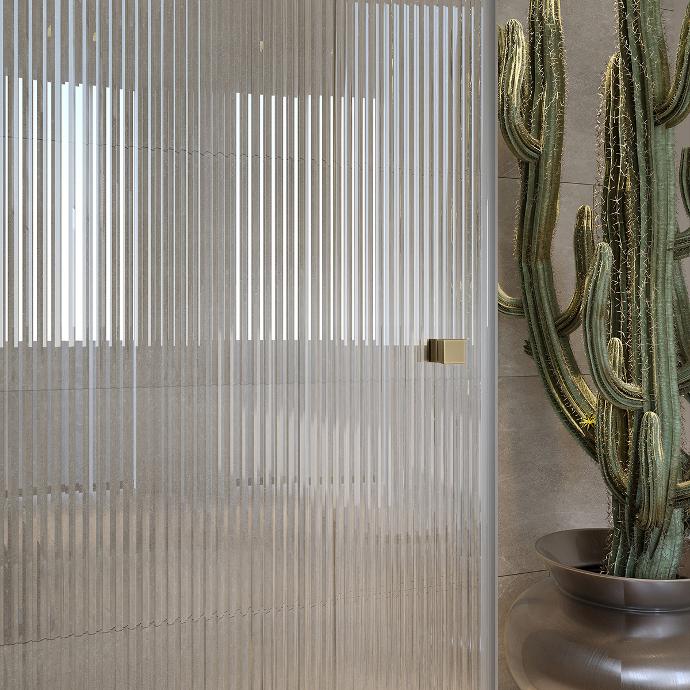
pixel 227 229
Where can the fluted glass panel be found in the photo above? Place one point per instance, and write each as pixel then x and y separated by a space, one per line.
pixel 227 230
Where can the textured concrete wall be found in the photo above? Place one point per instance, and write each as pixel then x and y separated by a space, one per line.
pixel 546 482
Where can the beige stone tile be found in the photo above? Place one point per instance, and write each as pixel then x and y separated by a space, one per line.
pixel 546 482
pixel 674 5
pixel 673 13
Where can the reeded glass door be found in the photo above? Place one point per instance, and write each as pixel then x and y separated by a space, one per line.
pixel 228 229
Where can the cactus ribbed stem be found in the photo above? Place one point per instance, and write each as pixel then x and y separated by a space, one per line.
pixel 513 58
pixel 583 246
pixel 618 392
pixel 676 105
pixel 633 302
pixel 510 306
pixel 542 111
pixel 611 429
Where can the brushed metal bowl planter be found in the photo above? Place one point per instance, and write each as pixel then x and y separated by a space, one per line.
pixel 582 629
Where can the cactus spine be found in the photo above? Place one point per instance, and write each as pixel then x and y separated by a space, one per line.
pixel 630 296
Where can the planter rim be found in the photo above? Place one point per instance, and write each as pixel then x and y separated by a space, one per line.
pixel 567 552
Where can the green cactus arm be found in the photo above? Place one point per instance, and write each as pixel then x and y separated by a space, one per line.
pixel 653 484
pixel 681 497
pixel 610 435
pixel 568 391
pixel 684 178
pixel 662 549
pixel 676 105
pixel 681 312
pixel 618 392
pixel 681 242
pixel 616 193
pixel 510 306
pixel 681 309
pixel 512 50
pixel 653 337
pixel 583 244
pixel 681 494
pixel 684 379
pixel 681 302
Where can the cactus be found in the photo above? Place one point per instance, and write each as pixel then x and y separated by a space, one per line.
pixel 630 296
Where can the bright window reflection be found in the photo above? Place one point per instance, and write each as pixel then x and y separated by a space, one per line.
pixel 50 250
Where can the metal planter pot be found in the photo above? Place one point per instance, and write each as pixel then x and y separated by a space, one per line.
pixel 580 629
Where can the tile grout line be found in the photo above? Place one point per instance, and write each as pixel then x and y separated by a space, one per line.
pixel 526 572
pixel 563 182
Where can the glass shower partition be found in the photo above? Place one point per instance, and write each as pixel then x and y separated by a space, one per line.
pixel 228 229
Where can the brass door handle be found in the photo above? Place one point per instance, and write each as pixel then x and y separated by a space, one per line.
pixel 448 351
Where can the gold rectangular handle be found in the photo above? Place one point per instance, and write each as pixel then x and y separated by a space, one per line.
pixel 447 351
